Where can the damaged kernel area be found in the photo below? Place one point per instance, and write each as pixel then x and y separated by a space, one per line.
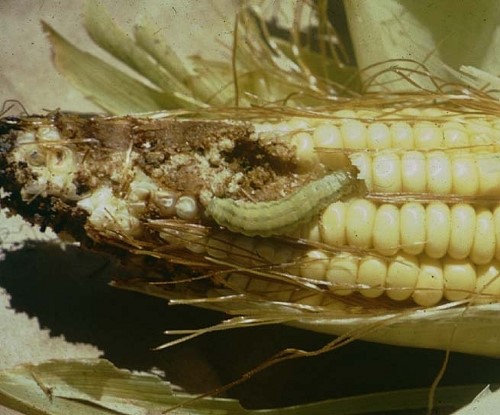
pixel 126 170
pixel 366 210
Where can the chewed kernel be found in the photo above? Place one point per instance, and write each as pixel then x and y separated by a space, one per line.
pixel 304 145
pixel 48 134
pixel 166 202
pixel 327 139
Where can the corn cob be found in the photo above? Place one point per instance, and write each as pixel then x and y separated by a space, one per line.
pixel 148 185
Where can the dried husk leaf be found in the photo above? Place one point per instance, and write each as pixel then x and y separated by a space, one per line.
pixel 96 387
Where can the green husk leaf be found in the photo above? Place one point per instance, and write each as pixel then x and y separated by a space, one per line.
pixel 108 87
pixel 106 34
pixel 442 36
pixel 96 387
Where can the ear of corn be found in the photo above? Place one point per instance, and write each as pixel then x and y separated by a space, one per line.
pixel 425 243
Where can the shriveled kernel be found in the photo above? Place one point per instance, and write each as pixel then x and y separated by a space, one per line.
pixel 439 177
pixel 412 216
pixel 379 136
pixel 438 225
pixel 386 230
pixel 463 225
pixel 413 172
pixel 372 274
pixel 430 283
pixel 61 160
pixel 342 274
pixel 386 172
pixel 166 202
pixel 359 223
pixel 402 275
pixel 459 279
pixel 484 246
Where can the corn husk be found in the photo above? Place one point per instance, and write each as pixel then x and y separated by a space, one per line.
pixel 96 387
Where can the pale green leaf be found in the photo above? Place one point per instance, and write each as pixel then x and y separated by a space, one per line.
pixel 442 35
pixel 108 87
pixel 96 387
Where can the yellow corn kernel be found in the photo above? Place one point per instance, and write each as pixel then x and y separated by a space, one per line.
pixel 458 230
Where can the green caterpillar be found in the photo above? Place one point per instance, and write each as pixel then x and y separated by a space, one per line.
pixel 281 216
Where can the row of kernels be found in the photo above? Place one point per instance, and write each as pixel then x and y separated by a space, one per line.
pixel 356 134
pixel 436 172
pixel 437 229
pixel 426 280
